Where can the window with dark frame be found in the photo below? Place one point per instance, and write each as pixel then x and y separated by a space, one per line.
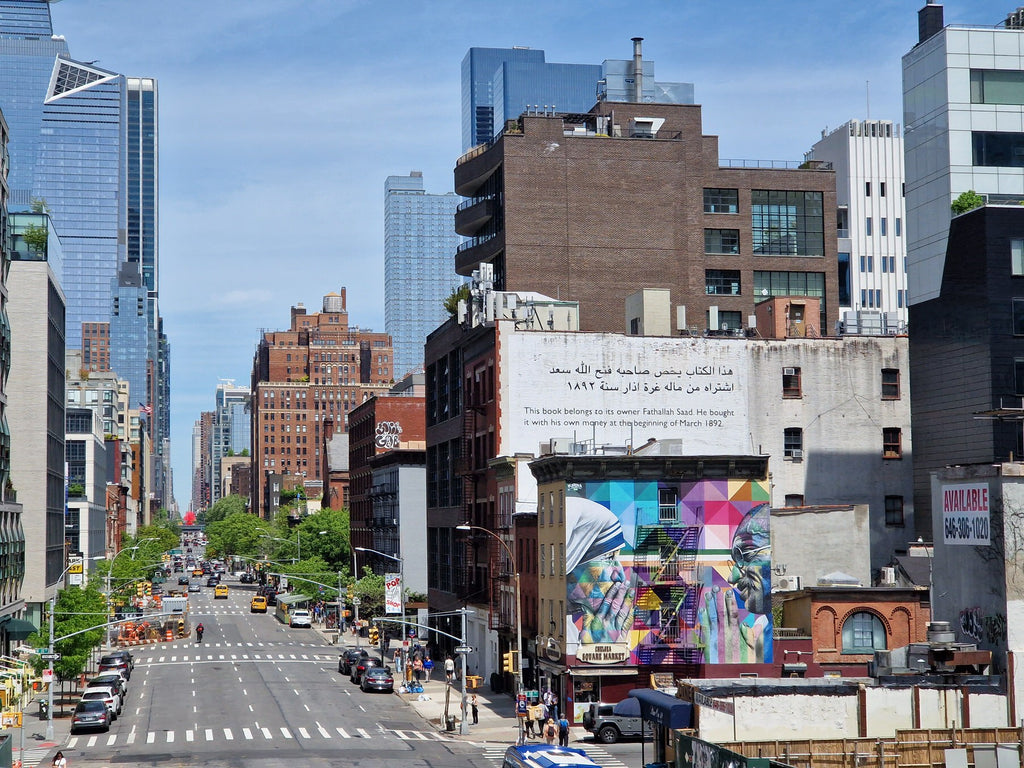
pixel 791 386
pixel 793 443
pixel 892 443
pixel 890 384
pixel 1017 257
pixel 894 511
pixel 722 282
pixel 668 510
pixel 722 241
pixel 721 201
pixel 1018 317
pixel 794 499
pixel 1018 376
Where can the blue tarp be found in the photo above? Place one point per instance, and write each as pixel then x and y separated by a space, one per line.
pixel 661 709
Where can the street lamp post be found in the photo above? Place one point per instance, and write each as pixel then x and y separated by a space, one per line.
pixel 355 600
pixel 519 612
pixel 401 593
pixel 297 543
pixel 49 650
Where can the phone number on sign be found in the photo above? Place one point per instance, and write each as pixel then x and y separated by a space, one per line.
pixel 965 529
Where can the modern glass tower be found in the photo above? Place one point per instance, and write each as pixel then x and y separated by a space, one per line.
pixel 231 425
pixel 130 334
pixel 419 274
pixel 499 84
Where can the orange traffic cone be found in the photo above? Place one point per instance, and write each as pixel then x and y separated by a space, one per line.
pixel 169 636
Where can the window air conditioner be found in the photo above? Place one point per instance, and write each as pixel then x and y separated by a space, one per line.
pixel 796 453
pixel 788 584
pixel 789 371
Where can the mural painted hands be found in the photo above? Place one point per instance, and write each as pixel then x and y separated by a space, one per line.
pixel 605 593
pixel 727 639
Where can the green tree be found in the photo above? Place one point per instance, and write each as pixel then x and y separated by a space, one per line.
pixel 38 205
pixel 76 609
pixel 35 238
pixel 332 547
pixel 967 201
pixel 224 508
pixel 237 534
pixel 451 304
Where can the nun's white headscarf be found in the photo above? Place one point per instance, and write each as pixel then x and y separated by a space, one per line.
pixel 592 530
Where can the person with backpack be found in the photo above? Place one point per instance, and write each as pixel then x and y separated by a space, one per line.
pixel 563 731
pixel 550 731
pixel 199 633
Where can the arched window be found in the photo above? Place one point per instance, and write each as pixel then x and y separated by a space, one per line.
pixel 863 632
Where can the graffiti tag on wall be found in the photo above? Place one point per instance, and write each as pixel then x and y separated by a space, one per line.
pixel 977 626
pixel 389 434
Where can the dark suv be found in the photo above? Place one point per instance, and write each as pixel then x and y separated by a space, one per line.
pixel 117 663
pixel 359 667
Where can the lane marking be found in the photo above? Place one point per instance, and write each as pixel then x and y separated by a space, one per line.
pixel 303 733
pixel 266 733
pixel 190 735
pixel 286 733
pixel 150 737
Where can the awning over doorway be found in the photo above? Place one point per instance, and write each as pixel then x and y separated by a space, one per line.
pixel 17 629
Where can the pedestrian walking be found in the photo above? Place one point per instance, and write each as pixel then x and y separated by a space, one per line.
pixel 199 633
pixel 563 731
pixel 417 669
pixel 449 668
pixel 550 731
pixel 551 702
pixel 474 704
pixel 534 713
pixel 541 712
pixel 59 761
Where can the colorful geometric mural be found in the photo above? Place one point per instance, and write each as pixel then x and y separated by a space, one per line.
pixel 669 573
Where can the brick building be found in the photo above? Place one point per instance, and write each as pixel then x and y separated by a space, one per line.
pixel 317 368
pixel 385 423
pixel 594 207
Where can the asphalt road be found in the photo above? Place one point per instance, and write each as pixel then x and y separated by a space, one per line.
pixel 257 693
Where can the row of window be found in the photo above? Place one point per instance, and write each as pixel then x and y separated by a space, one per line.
pixel 793 443
pixel 883 226
pixel 792 383
pixel 783 222
pixel 887 263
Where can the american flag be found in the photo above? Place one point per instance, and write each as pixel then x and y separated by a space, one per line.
pixel 146 409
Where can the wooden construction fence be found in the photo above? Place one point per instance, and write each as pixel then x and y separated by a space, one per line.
pixel 923 748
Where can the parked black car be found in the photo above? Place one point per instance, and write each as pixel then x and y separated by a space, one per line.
pixel 348 658
pixel 115 663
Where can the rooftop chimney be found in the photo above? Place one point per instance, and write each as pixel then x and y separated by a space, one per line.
pixel 929 21
pixel 638 70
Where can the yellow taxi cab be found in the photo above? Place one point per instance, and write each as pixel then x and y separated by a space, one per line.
pixel 197 571
pixel 258 604
pixel 221 590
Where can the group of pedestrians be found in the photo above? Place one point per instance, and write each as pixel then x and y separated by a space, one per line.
pixel 543 718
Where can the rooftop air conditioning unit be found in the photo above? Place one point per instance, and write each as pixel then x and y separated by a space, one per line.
pixel 888 576
pixel 787 583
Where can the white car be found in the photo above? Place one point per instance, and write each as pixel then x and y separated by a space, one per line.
pixel 105 694
pixel 300 618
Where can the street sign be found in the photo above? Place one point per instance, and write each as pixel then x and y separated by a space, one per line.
pixel 50 656
pixel 463 649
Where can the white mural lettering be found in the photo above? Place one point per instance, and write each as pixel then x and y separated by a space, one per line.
pixel 389 434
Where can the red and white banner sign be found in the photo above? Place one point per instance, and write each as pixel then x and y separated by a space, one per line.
pixel 392 593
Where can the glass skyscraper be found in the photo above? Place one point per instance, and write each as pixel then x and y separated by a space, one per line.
pixel 499 84
pixel 419 266
pixel 84 148
pixel 130 333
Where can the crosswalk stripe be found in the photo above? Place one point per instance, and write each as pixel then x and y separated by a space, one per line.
pixel 150 737
pixel 266 733
pixel 286 733
pixel 170 736
pixel 342 733
pixel 323 731
pixel 228 734
pixel 131 737
pixel 92 741
pixel 303 733
pixel 190 735
pixel 72 742
pixel 247 734
pixel 363 733
pixel 209 734
pixel 401 735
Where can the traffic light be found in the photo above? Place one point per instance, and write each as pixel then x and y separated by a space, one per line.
pixel 508 662
pixel 374 635
pixel 139 590
pixel 351 593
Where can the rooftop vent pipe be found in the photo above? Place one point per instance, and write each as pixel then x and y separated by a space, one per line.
pixel 638 71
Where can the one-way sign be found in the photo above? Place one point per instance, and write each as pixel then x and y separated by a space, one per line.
pixel 50 656
pixel 463 649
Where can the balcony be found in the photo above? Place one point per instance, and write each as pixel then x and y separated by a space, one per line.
pixel 473 214
pixel 477 251
pixel 475 167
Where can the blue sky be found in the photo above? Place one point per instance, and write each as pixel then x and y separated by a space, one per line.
pixel 280 119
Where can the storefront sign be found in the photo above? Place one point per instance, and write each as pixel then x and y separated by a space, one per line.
pixel 603 653
pixel 718 705
pixel 392 593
